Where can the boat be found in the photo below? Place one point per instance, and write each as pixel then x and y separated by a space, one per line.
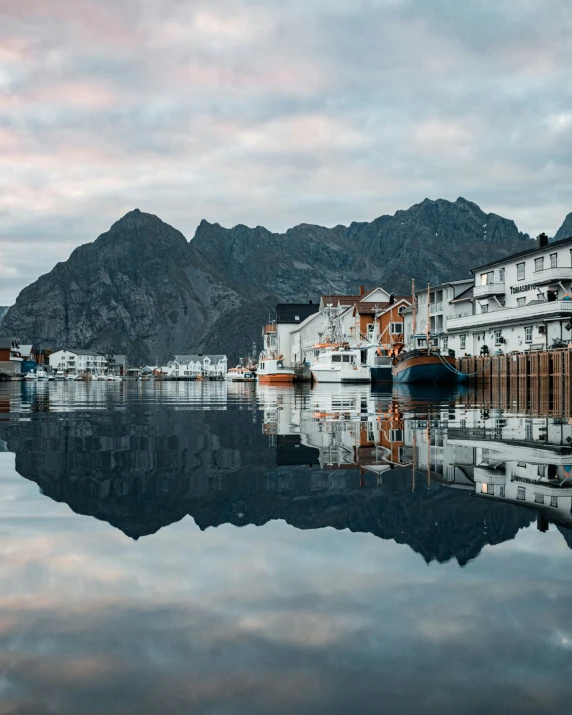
pixel 341 363
pixel 271 370
pixel 379 360
pixel 41 374
pixel 244 376
pixel 424 364
pixel 30 376
pixel 60 375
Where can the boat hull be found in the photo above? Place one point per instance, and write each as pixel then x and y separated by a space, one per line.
pixel 381 373
pixel 426 369
pixel 276 378
pixel 340 376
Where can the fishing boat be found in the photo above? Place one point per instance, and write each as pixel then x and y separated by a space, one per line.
pixel 29 376
pixel 41 374
pixel 244 376
pixel 272 370
pixel 379 360
pixel 340 363
pixel 424 364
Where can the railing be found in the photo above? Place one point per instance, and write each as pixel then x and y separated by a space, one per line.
pixel 489 289
pixel 436 307
pixel 554 274
pixel 502 315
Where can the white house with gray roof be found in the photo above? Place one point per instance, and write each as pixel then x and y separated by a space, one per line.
pixel 185 366
pixel 77 360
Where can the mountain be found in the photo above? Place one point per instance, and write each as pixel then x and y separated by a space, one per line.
pixel 3 310
pixel 142 289
pixel 565 231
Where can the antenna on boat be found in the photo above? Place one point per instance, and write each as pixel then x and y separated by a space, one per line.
pixel 414 320
pixel 428 328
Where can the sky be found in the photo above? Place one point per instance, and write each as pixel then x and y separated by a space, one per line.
pixel 274 113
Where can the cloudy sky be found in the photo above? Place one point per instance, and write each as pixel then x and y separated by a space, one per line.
pixel 272 112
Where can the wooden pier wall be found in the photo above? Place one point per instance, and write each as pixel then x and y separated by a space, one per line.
pixel 539 382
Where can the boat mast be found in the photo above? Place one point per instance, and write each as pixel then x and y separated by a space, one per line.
pixel 428 330
pixel 414 321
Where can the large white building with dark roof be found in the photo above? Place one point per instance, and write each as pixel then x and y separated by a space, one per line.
pixel 521 302
pixel 77 360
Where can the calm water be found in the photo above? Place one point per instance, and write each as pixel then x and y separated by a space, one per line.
pixel 234 549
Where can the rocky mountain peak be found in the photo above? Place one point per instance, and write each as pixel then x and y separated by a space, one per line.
pixel 565 231
pixel 142 289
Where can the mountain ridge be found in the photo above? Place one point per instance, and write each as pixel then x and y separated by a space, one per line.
pixel 141 288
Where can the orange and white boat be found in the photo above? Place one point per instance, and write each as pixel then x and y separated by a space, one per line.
pixel 272 370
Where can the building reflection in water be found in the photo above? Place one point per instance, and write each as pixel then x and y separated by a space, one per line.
pixel 436 471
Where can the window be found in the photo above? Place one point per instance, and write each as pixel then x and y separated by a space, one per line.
pixel 484 307
pixel 487 278
pixel 521 493
pixel 501 491
pixel 445 343
pixel 501 275
pixel 484 488
pixel 539 498
pixel 538 264
pixel 498 337
pixel 521 302
pixel 296 318
pixel 520 272
pixel 554 500
pixel 463 339
pixel 396 435
pixel 336 358
pixel 528 334
pixel 491 489
pixel 553 260
pixel 396 328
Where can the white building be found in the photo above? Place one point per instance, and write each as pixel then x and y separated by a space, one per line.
pixel 317 327
pixel 77 361
pixel 522 302
pixel 446 302
pixel 194 365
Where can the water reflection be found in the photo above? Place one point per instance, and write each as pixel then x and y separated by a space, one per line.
pixel 445 477
pixel 279 619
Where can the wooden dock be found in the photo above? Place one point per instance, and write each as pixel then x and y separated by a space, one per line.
pixel 536 382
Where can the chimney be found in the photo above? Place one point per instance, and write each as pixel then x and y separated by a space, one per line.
pixel 542 240
pixel 361 290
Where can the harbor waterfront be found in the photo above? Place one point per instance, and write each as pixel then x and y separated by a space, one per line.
pixel 247 548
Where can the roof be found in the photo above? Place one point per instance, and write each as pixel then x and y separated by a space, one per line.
pixel 6 343
pixel 343 299
pixel 295 312
pixel 365 308
pixel 198 358
pixel 80 351
pixel 465 295
pixel 528 252
pixel 444 285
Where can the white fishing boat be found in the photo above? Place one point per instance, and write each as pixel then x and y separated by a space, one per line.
pixel 271 370
pixel 30 376
pixel 41 374
pixel 60 375
pixel 244 376
pixel 341 364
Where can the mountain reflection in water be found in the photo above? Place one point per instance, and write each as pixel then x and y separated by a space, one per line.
pixel 143 457
pixel 159 614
